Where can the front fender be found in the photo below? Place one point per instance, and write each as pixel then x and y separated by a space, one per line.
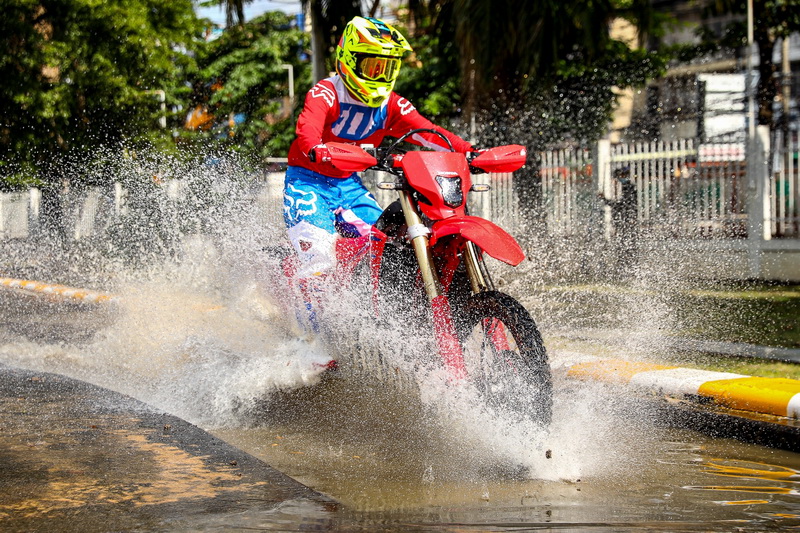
pixel 487 235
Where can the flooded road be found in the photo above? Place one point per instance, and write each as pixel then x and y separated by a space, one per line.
pixel 198 332
pixel 390 464
pixel 400 458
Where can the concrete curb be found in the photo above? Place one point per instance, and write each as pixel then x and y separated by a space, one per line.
pixel 769 396
pixel 58 291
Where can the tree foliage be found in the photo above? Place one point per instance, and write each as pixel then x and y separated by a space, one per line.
pixel 328 19
pixel 78 74
pixel 234 10
pixel 82 73
pixel 245 73
pixel 431 77
pixel 549 67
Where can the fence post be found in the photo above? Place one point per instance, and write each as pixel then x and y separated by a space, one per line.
pixel 119 199
pixel 759 196
pixel 766 180
pixel 601 178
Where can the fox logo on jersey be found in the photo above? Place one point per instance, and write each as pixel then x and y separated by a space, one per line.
pixel 320 91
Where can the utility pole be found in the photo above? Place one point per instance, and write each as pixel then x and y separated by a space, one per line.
pixel 317 42
pixel 755 165
pixel 786 96
pixel 786 81
pixel 751 115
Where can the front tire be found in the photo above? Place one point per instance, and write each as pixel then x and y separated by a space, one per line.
pixel 505 356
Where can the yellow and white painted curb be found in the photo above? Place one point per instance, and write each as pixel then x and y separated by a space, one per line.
pixel 58 291
pixel 772 396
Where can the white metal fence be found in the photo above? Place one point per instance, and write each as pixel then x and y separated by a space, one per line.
pixel 14 214
pixel 684 189
pixel 785 190
pixel 568 190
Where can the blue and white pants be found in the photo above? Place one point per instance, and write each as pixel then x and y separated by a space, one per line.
pixel 317 208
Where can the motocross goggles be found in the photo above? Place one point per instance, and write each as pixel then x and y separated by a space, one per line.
pixel 372 67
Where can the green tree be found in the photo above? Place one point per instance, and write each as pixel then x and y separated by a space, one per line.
pixel 78 74
pixel 431 77
pixel 533 72
pixel 328 19
pixel 244 74
pixel 234 10
pixel 504 47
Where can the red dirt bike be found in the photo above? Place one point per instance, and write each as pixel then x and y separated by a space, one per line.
pixel 425 262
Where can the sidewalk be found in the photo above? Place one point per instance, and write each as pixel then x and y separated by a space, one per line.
pixel 80 458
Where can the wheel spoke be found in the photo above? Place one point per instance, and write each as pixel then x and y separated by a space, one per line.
pixel 505 357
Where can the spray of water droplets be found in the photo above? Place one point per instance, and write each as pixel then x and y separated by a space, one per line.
pixel 204 327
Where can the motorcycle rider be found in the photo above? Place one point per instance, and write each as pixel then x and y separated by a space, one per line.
pixel 357 105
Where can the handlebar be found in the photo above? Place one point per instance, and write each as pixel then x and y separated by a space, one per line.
pixel 392 156
pixel 353 158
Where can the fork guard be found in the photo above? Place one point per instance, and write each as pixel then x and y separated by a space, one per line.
pixel 487 235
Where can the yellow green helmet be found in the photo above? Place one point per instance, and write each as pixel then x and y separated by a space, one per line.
pixel 368 59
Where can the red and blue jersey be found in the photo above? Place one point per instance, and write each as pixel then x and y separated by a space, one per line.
pixel 331 114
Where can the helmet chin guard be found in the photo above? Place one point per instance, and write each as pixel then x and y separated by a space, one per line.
pixel 368 59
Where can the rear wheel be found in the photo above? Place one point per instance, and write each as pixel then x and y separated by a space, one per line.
pixel 505 355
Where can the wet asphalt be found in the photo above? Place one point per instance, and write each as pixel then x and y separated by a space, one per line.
pixel 76 457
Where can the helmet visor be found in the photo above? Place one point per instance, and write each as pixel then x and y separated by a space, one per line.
pixel 378 67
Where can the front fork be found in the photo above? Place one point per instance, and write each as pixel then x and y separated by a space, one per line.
pixel 443 327
pixel 479 280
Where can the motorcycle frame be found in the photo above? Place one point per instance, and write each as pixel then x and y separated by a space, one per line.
pixel 439 247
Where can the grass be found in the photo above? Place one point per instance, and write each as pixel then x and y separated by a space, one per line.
pixel 761 314
pixel 753 313
pixel 755 367
pixel 767 315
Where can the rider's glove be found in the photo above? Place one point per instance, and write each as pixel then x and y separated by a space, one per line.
pixel 319 154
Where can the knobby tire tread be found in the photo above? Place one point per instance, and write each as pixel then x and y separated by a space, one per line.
pixel 532 356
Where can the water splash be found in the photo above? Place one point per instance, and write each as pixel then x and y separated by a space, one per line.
pixel 198 330
pixel 202 330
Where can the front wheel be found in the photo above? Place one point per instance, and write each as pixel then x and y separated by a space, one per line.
pixel 505 355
